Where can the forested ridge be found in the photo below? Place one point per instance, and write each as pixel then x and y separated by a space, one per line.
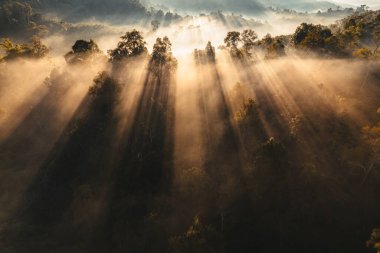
pixel 256 145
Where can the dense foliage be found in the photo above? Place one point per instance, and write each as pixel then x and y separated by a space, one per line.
pixel 83 51
pixel 131 45
pixel 35 49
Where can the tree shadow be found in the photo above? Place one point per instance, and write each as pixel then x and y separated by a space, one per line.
pixel 143 175
pixel 46 218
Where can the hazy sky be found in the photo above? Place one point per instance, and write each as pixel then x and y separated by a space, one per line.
pixel 235 5
pixel 358 2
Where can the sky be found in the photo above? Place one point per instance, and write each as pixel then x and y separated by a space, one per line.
pixel 241 5
pixel 359 2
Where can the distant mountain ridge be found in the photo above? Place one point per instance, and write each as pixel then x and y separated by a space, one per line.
pixel 305 5
pixel 74 10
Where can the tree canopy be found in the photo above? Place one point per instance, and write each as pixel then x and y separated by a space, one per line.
pixel 234 38
pixel 34 49
pixel 205 56
pixel 318 39
pixel 132 44
pixel 82 51
pixel 162 55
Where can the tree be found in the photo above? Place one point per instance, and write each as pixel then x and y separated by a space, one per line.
pixel 275 49
pixel 376 38
pixel 232 40
pixel 248 113
pixel 155 25
pixel 362 53
pixel 82 46
pixel 38 49
pixel 316 38
pixel 162 51
pixel 162 55
pixel 311 36
pixel 267 40
pixel 131 45
pixel 33 50
pixel 248 38
pixel 103 85
pixel 351 34
pixel 210 52
pixel 205 56
pixel 82 50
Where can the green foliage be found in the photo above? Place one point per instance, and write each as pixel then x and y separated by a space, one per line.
pixel 316 38
pixel 132 44
pixel 363 53
pixel 35 49
pixel 361 30
pixel 351 34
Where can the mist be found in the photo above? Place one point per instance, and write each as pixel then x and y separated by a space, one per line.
pixel 188 129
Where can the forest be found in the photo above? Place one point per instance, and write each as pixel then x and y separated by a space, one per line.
pixel 252 142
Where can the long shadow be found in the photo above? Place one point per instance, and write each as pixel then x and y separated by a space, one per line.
pixel 24 142
pixel 297 198
pixel 25 149
pixel 81 155
pixel 144 174
pixel 224 162
pixel 221 141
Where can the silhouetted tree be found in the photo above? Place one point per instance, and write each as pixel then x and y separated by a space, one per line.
pixel 248 38
pixel 205 56
pixel 210 52
pixel 103 85
pixel 162 55
pixel 267 40
pixel 155 25
pixel 232 41
pixel 275 50
pixel 82 51
pixel 131 45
